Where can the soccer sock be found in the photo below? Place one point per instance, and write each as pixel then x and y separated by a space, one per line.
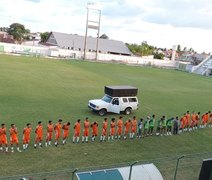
pixel 40 144
pixel 83 138
pixel 78 139
pixel 18 149
pixel 108 138
pixel 6 149
pixel 24 146
pixel 103 138
pixel 74 139
pixel 49 142
pixel 64 141
pixel 86 139
pixel 133 135
pixel 1 148
pixel 12 149
pixel 119 137
pixel 112 137
pixel 46 144
pixel 130 135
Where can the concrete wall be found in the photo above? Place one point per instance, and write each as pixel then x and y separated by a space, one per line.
pixel 65 53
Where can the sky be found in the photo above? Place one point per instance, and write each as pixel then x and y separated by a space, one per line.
pixel 161 23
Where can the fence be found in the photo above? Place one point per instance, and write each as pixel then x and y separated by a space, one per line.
pixel 38 51
pixel 188 168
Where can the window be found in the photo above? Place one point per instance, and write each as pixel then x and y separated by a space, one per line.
pixel 115 101
pixel 132 99
pixel 124 100
pixel 107 99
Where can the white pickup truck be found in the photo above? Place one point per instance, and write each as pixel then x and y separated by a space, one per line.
pixel 117 99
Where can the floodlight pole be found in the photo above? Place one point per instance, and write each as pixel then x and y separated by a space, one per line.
pixel 178 159
pixel 131 165
pixel 86 34
pixel 73 173
pixel 97 43
pixel 91 26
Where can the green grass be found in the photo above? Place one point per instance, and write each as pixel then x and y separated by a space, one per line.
pixel 33 89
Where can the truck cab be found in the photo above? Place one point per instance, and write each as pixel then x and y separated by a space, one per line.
pixel 117 99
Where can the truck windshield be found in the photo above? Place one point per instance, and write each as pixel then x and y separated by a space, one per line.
pixel 107 98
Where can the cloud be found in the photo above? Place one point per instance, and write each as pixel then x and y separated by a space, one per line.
pixel 179 13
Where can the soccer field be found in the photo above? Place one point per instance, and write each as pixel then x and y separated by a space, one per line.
pixel 34 89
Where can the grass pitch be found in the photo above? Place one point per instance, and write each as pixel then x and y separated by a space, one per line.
pixel 35 89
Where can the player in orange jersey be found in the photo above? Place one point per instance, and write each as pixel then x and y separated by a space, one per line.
pixel 26 136
pixel 209 118
pixel 50 128
pixel 57 129
pixel 39 134
pixel 197 123
pixel 193 121
pixel 119 127
pixel 86 130
pixel 3 138
pixel 112 129
pixel 65 131
pixel 133 127
pixel 182 123
pixel 14 138
pixel 94 127
pixel 127 125
pixel 205 118
pixel 104 130
pixel 77 128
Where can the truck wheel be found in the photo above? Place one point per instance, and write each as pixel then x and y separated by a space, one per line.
pixel 102 112
pixel 128 111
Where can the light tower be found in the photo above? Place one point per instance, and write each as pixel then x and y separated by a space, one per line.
pixel 174 48
pixel 93 7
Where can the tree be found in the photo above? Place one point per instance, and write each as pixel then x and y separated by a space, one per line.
pixel 141 50
pixel 3 29
pixel 104 36
pixel 158 55
pixel 18 32
pixel 178 48
pixel 44 36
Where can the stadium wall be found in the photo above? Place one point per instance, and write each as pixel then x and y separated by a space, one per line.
pixel 70 54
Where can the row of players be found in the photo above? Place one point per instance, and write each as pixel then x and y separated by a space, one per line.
pixel 131 129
